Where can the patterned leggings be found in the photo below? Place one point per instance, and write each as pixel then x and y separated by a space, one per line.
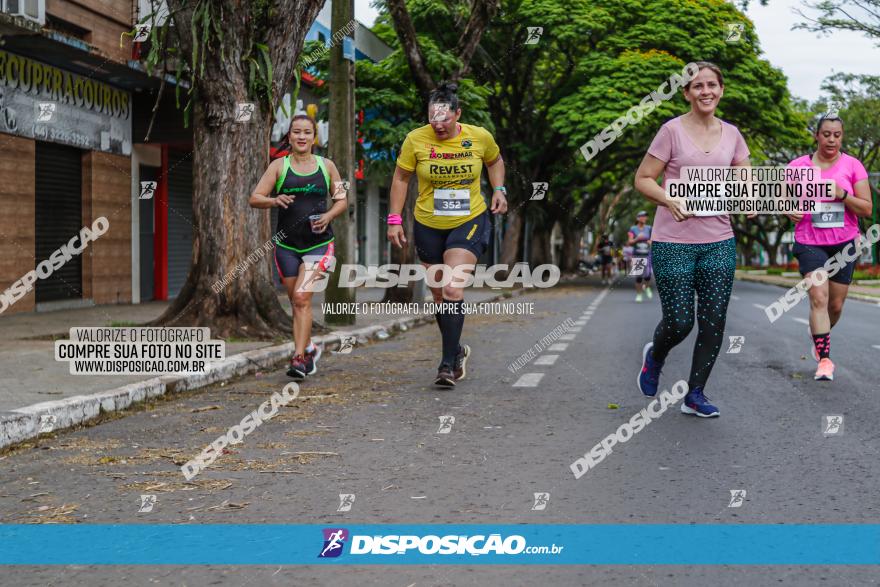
pixel 682 270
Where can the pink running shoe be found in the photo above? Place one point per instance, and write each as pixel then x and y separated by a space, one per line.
pixel 825 372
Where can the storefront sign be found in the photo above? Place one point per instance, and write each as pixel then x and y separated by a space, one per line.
pixel 46 103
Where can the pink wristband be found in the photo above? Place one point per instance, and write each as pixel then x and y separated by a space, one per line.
pixel 394 219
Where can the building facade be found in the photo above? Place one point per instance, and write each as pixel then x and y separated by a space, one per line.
pixel 79 141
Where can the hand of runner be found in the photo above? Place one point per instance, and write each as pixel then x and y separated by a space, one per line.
pixel 839 192
pixel 796 217
pixel 282 200
pixel 499 203
pixel 320 224
pixel 676 208
pixel 396 235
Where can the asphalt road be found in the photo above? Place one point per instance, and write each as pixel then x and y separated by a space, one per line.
pixel 368 425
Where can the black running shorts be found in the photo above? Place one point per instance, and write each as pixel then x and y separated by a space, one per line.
pixel 473 236
pixel 812 257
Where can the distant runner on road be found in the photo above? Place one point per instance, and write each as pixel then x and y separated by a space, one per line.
pixel 606 258
pixel 639 238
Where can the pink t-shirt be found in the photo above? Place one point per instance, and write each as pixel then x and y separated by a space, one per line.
pixel 675 148
pixel 846 172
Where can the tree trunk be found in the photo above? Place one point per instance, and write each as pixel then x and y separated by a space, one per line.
pixel 571 248
pixel 510 244
pixel 540 240
pixel 229 158
pixel 342 141
pixel 226 231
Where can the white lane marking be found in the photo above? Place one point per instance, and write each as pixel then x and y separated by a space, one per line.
pixel 566 337
pixel 734 298
pixel 876 346
pixel 559 346
pixel 580 322
pixel 529 380
pixel 801 320
pixel 759 306
pixel 575 329
pixel 546 360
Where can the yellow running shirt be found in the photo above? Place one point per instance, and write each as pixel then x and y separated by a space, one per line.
pixel 449 173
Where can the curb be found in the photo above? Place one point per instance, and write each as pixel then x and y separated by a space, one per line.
pixel 24 424
pixel 854 295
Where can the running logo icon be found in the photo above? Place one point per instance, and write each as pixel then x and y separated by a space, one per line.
pixel 541 501
pixel 244 111
pixel 832 425
pixel 534 35
pixel 735 31
pixel 142 33
pixel 334 541
pixel 340 189
pixel 440 112
pixel 638 267
pixel 47 423
pixel 446 423
pixel 317 273
pixel 148 188
pixel 539 190
pixel 736 344
pixel 147 503
pixel 346 500
pixel 737 497
pixel 346 344
pixel 45 111
pixel 833 110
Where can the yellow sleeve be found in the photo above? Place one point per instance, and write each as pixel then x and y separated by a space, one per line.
pixel 407 158
pixel 491 151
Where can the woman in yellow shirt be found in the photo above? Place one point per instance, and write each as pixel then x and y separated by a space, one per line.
pixel 452 225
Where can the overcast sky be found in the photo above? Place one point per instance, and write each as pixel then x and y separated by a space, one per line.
pixel 805 58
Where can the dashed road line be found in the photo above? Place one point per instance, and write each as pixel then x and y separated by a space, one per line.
pixel 529 380
pixel 546 360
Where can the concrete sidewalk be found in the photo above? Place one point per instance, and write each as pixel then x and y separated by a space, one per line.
pixel 865 293
pixel 37 390
pixel 29 373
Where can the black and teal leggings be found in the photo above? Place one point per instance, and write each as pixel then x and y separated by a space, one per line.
pixel 682 270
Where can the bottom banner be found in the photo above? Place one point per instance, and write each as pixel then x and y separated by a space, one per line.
pixel 258 544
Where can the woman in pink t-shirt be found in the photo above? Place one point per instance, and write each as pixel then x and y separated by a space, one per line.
pixel 833 230
pixel 692 257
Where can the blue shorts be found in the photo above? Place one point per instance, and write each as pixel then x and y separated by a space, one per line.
pixel 473 236
pixel 288 261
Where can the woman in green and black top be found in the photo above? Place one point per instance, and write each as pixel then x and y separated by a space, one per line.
pixel 300 184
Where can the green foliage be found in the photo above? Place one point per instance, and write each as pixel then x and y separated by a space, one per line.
pixel 859 97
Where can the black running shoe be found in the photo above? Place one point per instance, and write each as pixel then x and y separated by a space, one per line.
pixel 312 360
pixel 460 369
pixel 297 368
pixel 445 376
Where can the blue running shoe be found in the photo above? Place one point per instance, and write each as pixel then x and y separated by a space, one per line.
pixel 649 376
pixel 698 404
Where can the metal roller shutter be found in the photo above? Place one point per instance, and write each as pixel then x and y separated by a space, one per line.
pixel 58 186
pixel 180 215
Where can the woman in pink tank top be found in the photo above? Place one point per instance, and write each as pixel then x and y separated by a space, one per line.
pixel 829 237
